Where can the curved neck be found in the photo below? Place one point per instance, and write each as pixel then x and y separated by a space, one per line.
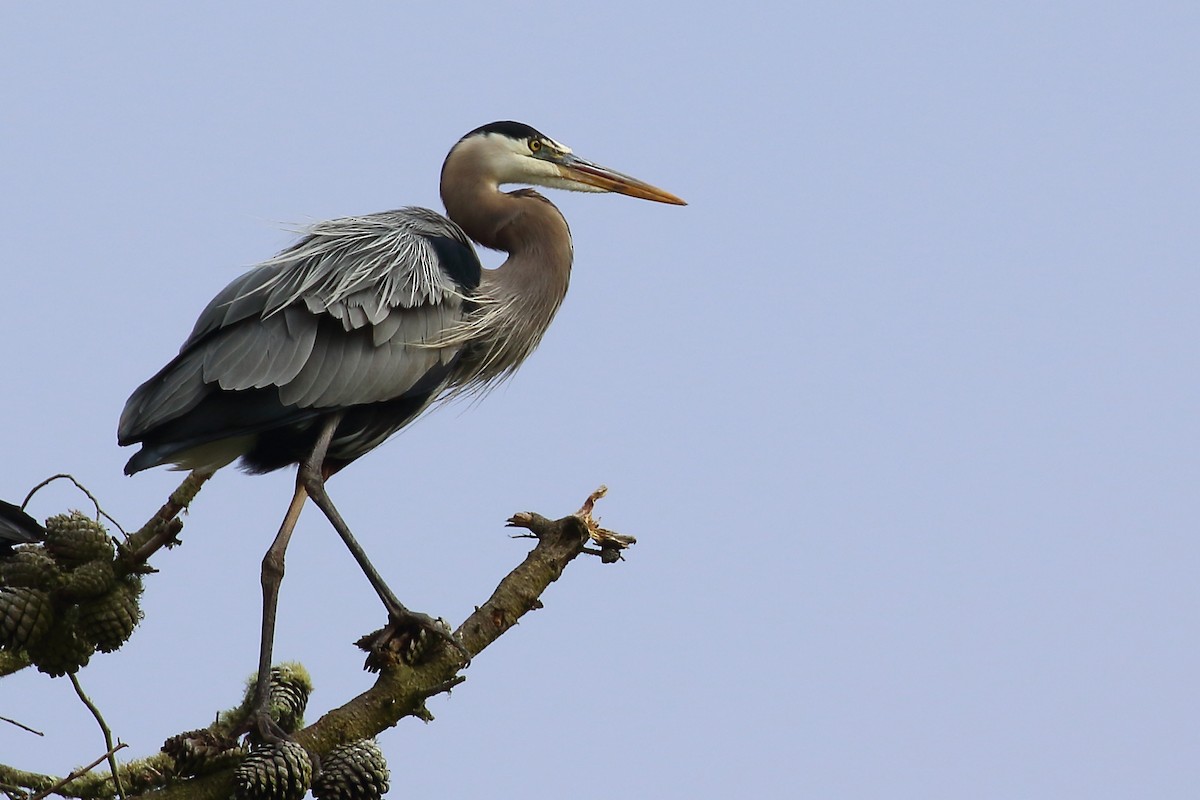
pixel 523 294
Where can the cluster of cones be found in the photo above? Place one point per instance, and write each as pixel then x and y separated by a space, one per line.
pixel 63 599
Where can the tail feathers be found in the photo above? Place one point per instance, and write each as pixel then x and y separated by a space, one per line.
pixel 146 458
pixel 208 456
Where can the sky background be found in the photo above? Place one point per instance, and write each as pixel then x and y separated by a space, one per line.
pixel 901 408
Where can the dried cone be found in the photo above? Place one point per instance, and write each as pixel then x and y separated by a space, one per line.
pixel 74 539
pixel 195 751
pixel 355 771
pixel 89 580
pixel 282 771
pixel 290 688
pixel 31 567
pixel 62 650
pixel 25 616
pixel 109 621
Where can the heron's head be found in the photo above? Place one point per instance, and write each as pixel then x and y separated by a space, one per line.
pixel 512 152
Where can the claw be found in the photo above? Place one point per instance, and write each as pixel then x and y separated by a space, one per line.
pixel 276 707
pixel 262 728
pixel 406 640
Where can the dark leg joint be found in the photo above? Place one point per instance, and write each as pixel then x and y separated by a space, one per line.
pixel 272 569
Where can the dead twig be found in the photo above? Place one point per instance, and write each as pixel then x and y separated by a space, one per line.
pixel 20 725
pixel 100 512
pixel 162 528
pixel 104 729
pixel 77 773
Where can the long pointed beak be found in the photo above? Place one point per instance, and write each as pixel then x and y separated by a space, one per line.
pixel 609 180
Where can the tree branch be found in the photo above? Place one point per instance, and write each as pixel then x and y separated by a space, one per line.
pixel 161 529
pixel 401 689
pixel 54 787
pixel 105 731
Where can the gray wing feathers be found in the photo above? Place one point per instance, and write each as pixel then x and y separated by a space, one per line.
pixel 358 269
pixel 240 300
pixel 272 352
pixel 375 280
pixel 353 368
pixel 178 390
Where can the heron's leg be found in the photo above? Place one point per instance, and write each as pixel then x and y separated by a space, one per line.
pixel 272 577
pixel 312 477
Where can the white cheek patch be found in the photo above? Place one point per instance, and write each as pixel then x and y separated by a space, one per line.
pixel 517 146
pixel 511 162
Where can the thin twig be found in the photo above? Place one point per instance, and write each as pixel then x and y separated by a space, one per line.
pixel 108 742
pixel 158 531
pixel 19 725
pixel 100 512
pixel 79 773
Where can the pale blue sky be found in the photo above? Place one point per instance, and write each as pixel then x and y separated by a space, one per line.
pixel 901 407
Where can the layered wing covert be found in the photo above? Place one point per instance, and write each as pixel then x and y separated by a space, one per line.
pixel 354 313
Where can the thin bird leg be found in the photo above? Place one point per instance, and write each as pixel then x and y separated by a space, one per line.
pixel 313 477
pixel 272 577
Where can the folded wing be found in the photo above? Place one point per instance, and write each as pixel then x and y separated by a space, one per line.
pixel 356 314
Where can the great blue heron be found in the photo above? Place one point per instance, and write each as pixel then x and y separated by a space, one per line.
pixel 17 527
pixel 318 355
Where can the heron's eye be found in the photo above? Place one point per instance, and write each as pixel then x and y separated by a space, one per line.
pixel 535 145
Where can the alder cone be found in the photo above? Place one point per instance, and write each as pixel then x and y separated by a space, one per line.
pixel 195 751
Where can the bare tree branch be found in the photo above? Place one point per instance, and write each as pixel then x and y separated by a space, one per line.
pixel 161 529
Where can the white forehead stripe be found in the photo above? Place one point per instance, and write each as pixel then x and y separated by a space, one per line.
pixel 520 146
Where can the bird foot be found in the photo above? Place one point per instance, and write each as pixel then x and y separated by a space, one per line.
pixel 408 638
pixel 261 728
pixel 275 704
